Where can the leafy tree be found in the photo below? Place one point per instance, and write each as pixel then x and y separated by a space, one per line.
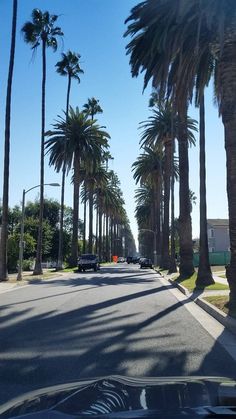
pixel 13 249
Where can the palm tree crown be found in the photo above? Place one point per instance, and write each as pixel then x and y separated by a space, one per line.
pixel 92 107
pixel 69 65
pixel 41 29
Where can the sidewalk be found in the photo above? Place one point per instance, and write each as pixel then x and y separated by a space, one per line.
pixel 198 297
pixel 12 283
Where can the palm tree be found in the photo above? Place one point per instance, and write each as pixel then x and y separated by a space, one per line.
pixel 92 107
pixel 189 56
pixel 41 30
pixel 161 128
pixel 91 174
pixel 101 185
pixel 68 66
pixel 72 140
pixel 148 169
pixel 5 200
pixel 143 214
pixel 204 276
pixel 154 101
pixel 155 49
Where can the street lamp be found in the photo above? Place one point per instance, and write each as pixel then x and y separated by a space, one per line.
pixel 155 243
pixel 21 244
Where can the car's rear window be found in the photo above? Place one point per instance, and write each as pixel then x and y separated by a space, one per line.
pixel 89 257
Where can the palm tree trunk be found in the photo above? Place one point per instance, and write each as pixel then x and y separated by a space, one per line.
pixel 74 245
pixel 111 237
pixel 158 219
pixel 5 200
pixel 172 267
pixel 90 243
pixel 204 276
pixel 186 268
pixel 38 263
pixel 229 121
pixel 107 238
pixel 85 220
pixel 96 243
pixel 103 237
pixel 166 223
pixel 100 232
pixel 60 247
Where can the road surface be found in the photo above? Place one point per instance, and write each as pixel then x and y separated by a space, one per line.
pixel 120 320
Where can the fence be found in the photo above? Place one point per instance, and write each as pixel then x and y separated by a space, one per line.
pixel 216 258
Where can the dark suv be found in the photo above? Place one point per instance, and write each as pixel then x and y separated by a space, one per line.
pixel 145 263
pixel 88 261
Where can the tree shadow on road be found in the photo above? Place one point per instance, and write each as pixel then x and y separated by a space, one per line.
pixel 143 333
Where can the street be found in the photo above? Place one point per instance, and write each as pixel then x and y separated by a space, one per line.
pixel 120 320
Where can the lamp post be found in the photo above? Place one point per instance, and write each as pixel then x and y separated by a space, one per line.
pixel 21 243
pixel 155 243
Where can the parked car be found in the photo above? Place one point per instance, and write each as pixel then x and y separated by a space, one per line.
pixel 145 263
pixel 129 259
pixel 88 261
pixel 120 259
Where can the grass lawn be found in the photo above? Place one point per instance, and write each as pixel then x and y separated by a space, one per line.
pixel 30 277
pixel 219 302
pixel 189 283
pixel 70 269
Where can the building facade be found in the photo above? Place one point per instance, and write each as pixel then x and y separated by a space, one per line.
pixel 218 235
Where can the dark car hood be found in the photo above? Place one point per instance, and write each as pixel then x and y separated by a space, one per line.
pixel 123 397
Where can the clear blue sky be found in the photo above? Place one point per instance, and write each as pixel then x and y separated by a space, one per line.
pixel 94 29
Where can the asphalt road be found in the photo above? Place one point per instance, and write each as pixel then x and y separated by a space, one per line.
pixel 120 320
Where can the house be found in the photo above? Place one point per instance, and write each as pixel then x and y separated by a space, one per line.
pixel 218 235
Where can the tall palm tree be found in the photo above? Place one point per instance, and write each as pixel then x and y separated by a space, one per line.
pixel 68 66
pixel 82 137
pixel 148 169
pixel 161 128
pixel 91 108
pixel 101 184
pixel 154 101
pixel 41 30
pixel 204 276
pixel 143 215
pixel 91 174
pixel 155 30
pixel 5 200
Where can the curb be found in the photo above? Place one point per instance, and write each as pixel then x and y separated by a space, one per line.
pixel 11 287
pixel 226 320
pixel 8 286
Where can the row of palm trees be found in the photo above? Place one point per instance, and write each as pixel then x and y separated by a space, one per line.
pixel 76 142
pixel 180 46
pixel 157 169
